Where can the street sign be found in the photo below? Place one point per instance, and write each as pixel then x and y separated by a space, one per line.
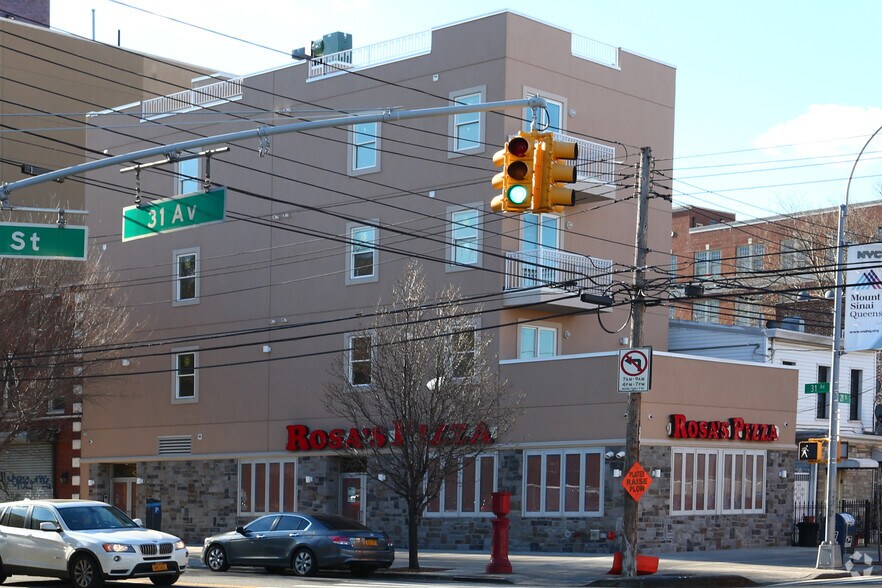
pixel 843 397
pixel 635 369
pixel 43 241
pixel 636 481
pixel 817 388
pixel 174 214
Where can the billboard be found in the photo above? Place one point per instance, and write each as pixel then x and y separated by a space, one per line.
pixel 863 297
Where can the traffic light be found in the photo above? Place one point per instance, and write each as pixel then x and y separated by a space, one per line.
pixel 516 178
pixel 811 451
pixel 549 173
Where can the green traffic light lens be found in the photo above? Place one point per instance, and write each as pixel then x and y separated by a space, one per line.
pixel 517 194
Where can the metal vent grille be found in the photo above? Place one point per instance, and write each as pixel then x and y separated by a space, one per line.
pixel 157 549
pixel 179 445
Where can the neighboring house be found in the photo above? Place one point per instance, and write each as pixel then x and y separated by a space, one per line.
pixel 48 82
pixel 321 224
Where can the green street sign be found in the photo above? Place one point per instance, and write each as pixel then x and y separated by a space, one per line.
pixel 818 388
pixel 41 241
pixel 844 397
pixel 174 214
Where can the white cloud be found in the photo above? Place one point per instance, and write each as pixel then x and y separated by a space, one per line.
pixel 821 131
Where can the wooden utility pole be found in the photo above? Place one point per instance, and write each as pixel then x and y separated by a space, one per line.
pixel 632 435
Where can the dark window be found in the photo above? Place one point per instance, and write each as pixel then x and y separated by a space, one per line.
pixel 854 412
pixel 262 524
pixel 823 376
pixel 290 523
pixel 339 523
pixel 15 516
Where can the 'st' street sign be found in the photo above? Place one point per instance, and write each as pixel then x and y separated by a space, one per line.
pixel 43 241
pixel 174 214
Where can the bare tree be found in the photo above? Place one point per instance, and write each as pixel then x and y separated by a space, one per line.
pixel 423 382
pixel 58 318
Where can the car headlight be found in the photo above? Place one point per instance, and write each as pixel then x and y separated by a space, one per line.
pixel 118 548
pixel 179 544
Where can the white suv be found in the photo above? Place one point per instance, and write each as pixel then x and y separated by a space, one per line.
pixel 86 542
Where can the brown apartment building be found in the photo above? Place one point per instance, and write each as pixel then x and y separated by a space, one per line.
pixel 49 81
pixel 320 224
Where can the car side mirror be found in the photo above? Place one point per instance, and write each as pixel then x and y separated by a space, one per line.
pixel 241 530
pixel 139 522
pixel 51 527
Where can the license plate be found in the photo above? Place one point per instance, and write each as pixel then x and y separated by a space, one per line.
pixel 370 542
pixel 160 567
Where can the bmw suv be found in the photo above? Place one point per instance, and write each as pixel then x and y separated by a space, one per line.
pixel 86 542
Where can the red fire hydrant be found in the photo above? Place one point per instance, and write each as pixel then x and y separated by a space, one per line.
pixel 499 563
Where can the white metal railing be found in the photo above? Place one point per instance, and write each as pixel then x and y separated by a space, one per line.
pixel 596 162
pixel 595 51
pixel 191 99
pixel 372 55
pixel 550 268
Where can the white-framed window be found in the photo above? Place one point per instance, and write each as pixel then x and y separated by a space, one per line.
pixel 362 258
pixel 706 311
pixel 186 280
pixel 467 492
pixel 708 263
pixel 464 238
pixel 365 147
pixel 187 178
pixel 748 313
pixel 467 128
pixel 185 373
pixel 718 481
pixel 463 354
pixel 267 486
pixel 359 356
pixel 551 119
pixel 749 258
pixel 537 341
pixel 565 482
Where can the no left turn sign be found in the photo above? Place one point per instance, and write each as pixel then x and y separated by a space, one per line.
pixel 635 369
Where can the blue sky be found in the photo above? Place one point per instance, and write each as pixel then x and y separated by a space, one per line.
pixel 774 99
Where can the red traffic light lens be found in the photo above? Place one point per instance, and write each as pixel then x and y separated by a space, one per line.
pixel 518 170
pixel 518 146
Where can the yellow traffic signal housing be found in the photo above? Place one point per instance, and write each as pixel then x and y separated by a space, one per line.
pixel 811 451
pixel 516 178
pixel 549 173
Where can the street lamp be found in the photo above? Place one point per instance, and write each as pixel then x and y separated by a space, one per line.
pixel 829 555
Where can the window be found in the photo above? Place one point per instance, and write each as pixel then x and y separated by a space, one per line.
pixel 186 282
pixel 362 253
pixel 464 237
pixel 41 514
pixel 749 258
pixel 463 354
pixel 187 176
pixel 466 128
pixel 267 486
pixel 707 263
pixel 823 376
pixel 794 256
pixel 468 491
pixel 365 148
pixel 539 237
pixel 854 408
pixel 706 311
pixel 360 349
pixel 562 483
pixel 748 314
pixel 185 382
pixel 537 342
pixel 718 481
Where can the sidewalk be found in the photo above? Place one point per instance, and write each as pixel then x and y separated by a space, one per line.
pixel 734 567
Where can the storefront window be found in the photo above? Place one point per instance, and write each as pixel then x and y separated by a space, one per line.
pixel 699 475
pixel 267 486
pixel 468 491
pixel 562 483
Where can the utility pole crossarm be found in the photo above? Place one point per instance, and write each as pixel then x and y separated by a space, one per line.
pixel 387 116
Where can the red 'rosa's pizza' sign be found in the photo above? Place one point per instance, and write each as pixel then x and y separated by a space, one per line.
pixel 734 428
pixel 301 438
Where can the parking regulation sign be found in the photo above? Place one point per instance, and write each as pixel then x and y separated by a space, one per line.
pixel 635 369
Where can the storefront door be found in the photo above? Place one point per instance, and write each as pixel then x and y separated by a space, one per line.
pixel 351 495
pixel 124 495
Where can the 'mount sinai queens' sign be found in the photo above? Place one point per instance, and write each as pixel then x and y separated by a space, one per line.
pixel 863 297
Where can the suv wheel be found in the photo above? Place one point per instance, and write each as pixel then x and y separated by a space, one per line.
pixel 85 572
pixel 165 580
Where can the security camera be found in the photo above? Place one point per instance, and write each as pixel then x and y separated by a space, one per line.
pixel 620 454
pixel 609 454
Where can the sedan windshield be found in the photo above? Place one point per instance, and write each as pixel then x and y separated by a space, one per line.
pixel 83 518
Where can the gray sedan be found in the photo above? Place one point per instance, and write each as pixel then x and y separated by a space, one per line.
pixel 304 543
